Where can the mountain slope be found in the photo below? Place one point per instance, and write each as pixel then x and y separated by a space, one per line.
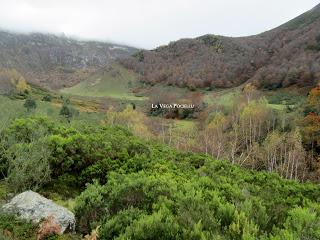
pixel 114 81
pixel 55 62
pixel 284 56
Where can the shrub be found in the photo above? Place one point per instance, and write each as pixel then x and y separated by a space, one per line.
pixel 117 224
pixel 66 112
pixel 30 104
pixel 28 166
pixel 47 98
pixel 159 225
pixel 90 206
pixel 304 223
pixel 14 228
pixel 31 129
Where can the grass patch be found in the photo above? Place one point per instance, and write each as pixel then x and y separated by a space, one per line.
pixel 222 97
pixel 184 125
pixel 279 107
pixel 68 203
pixel 13 108
pixel 115 82
pixel 3 192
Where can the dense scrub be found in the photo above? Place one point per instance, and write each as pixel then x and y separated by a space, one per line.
pixel 133 189
pixel 217 201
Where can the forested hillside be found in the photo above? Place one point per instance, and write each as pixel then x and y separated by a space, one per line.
pixel 281 57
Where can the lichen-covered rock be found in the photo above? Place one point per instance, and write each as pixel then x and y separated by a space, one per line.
pixel 32 206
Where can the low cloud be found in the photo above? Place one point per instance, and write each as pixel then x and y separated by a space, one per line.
pixel 148 23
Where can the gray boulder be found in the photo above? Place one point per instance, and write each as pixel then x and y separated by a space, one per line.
pixel 32 206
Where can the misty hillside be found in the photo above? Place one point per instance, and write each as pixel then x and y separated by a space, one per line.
pixel 287 55
pixel 55 62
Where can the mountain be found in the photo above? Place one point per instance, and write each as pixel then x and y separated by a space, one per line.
pixel 55 62
pixel 287 55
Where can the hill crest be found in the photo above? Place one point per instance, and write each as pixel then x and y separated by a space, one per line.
pixel 284 56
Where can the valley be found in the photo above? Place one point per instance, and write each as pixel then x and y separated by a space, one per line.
pixel 77 126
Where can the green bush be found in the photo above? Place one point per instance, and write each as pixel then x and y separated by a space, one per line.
pixel 117 225
pixel 24 155
pixel 16 228
pixel 28 166
pixel 47 98
pixel 302 223
pixel 160 225
pixel 30 104
pixel 90 206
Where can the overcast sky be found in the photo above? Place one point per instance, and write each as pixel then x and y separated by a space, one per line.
pixel 148 23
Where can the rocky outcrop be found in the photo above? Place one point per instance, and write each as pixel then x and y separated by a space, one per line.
pixel 55 62
pixel 32 206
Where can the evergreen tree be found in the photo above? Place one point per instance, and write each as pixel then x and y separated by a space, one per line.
pixel 66 112
pixel 30 104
